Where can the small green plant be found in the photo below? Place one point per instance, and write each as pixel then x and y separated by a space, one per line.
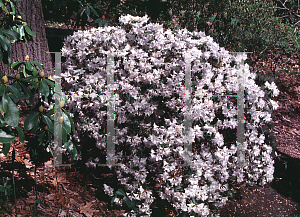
pixel 35 211
pixel 121 194
pixel 5 192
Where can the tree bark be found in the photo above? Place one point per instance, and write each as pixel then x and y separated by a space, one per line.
pixel 32 13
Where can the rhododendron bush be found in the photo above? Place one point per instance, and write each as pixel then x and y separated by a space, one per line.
pixel 149 83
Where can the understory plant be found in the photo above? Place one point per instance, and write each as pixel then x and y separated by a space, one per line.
pixel 149 83
pixel 27 84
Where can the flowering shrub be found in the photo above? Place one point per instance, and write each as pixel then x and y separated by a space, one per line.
pixel 149 103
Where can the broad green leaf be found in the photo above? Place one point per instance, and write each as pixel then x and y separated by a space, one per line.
pixel 113 199
pixel 2 121
pixel 5 43
pixel 29 66
pixel 10 33
pixel 98 20
pixel 120 192
pixel 49 123
pixel 24 72
pixel 75 153
pixel 94 11
pixel 20 134
pixel 66 124
pixel 12 8
pixel 31 121
pixel 2 89
pixel 69 146
pixel 15 91
pixel 71 121
pixel 12 116
pixel 41 138
pixel 4 8
pixel 5 138
pixel 37 63
pixel 44 88
pixel 7 60
pixel 14 98
pixel 36 127
pixel 21 31
pixel 50 83
pixel 1 55
pixel 81 11
pixel 34 84
pixel 128 203
pixel 29 31
pixel 5 149
pixel 88 11
pixel 26 91
pixel 64 135
pixel 16 65
pixel 50 112
pixel 35 72
pixel 4 104
pixel 17 86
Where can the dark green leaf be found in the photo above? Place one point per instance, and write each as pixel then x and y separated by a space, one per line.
pixel 120 192
pixel 16 65
pixel 88 11
pixel 37 63
pixel 49 123
pixel 17 86
pixel 2 89
pixel 31 121
pixel 15 91
pixel 29 66
pixel 4 104
pixel 12 116
pixel 64 135
pixel 113 199
pixel 26 91
pixel 21 31
pixel 71 121
pixel 35 72
pixel 50 83
pixel 98 20
pixel 5 138
pixel 5 43
pixel 81 11
pixel 41 137
pixel 12 8
pixel 1 55
pixel 66 124
pixel 24 72
pixel 20 134
pixel 4 8
pixel 44 89
pixel 94 11
pixel 2 121
pixel 50 112
pixel 35 128
pixel 128 203
pixel 29 31
pixel 10 33
pixel 5 149
pixel 75 153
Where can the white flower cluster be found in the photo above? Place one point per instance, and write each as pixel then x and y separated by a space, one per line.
pixel 149 106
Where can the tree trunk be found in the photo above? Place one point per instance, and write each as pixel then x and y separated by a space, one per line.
pixel 32 13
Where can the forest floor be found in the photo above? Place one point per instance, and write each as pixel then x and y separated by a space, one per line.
pixel 79 191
